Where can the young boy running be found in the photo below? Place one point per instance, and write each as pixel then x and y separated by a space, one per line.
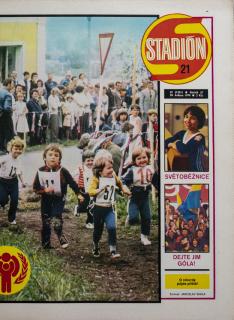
pixel 51 182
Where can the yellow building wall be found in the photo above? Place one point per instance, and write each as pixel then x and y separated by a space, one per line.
pixel 25 33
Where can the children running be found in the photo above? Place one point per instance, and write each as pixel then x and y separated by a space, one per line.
pixel 102 187
pixel 51 182
pixel 96 179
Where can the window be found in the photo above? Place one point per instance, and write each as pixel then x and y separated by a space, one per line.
pixel 10 59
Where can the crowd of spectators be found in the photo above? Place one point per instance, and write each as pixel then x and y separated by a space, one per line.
pixel 44 110
pixel 183 235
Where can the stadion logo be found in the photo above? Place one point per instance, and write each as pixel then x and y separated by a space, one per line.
pixel 15 270
pixel 176 48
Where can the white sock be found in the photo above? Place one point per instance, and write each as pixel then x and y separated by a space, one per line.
pixel 112 248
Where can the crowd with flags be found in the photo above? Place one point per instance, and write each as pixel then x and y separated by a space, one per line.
pixel 187 223
pixel 45 111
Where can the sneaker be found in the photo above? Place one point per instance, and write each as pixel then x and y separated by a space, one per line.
pixel 114 255
pixel 63 242
pixel 89 225
pixel 12 222
pixel 145 241
pixel 96 251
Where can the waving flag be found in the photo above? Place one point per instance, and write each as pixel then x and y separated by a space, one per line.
pixel 191 202
pixel 193 198
pixel 105 41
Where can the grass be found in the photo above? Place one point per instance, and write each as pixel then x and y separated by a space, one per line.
pixel 50 279
pixel 121 205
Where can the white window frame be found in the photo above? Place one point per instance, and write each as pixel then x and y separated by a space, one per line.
pixel 19 63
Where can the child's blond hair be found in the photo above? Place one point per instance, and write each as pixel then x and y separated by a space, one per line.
pixel 99 164
pixel 16 142
pixel 152 111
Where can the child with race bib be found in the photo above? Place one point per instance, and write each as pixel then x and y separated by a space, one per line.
pixel 10 171
pixel 139 178
pixel 102 187
pixel 82 177
pixel 51 182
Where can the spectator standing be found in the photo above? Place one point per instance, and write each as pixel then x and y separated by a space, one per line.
pixel 33 81
pixel 45 114
pixel 122 117
pixel 6 123
pixel 104 104
pixel 21 120
pixel 68 115
pixel 82 81
pixel 40 84
pixel 117 95
pixel 34 118
pixel 54 104
pixel 148 99
pixel 82 109
pixel 111 95
pixel 50 84
pixel 14 77
pixel 66 81
pixel 72 85
pixel 26 84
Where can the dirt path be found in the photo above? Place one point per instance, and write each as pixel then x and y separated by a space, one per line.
pixel 133 278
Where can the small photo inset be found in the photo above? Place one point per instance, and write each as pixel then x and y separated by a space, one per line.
pixel 186 137
pixel 187 218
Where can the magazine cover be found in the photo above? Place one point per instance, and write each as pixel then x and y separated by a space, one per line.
pixel 115 174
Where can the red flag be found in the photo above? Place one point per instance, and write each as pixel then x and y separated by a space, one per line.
pixel 105 41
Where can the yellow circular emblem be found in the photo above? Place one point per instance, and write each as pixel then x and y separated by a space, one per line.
pixel 15 270
pixel 176 48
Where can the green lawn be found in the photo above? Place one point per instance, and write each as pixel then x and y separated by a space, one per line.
pixel 51 279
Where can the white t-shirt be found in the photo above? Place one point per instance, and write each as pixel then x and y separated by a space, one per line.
pixel 53 104
pixel 9 167
pixel 82 103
